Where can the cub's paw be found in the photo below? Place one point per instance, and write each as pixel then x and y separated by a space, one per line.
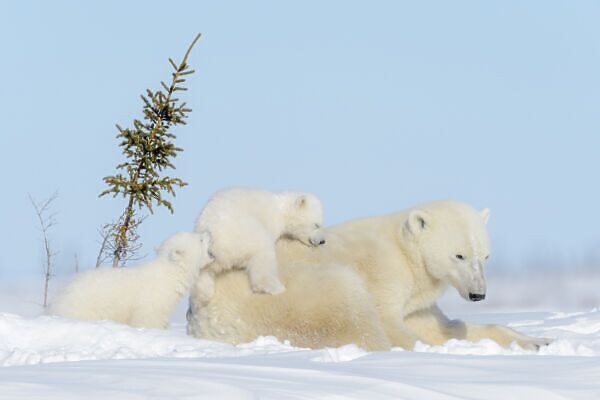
pixel 203 298
pixel 268 286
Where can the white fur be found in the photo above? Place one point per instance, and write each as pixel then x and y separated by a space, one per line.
pixel 245 224
pixel 142 296
pixel 374 284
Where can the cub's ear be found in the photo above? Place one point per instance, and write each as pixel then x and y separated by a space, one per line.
pixel 485 214
pixel 176 255
pixel 417 221
pixel 301 201
pixel 206 238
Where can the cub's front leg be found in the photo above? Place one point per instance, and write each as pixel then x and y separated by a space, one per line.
pixel 204 288
pixel 263 273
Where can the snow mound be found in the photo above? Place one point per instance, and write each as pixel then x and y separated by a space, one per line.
pixel 340 354
pixel 168 364
pixel 46 339
pixel 488 347
pixel 574 334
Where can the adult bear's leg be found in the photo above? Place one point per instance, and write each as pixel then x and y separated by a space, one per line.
pixel 432 326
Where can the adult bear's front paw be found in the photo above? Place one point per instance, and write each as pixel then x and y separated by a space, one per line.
pixel 533 343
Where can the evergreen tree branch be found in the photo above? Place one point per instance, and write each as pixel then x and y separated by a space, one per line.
pixel 149 149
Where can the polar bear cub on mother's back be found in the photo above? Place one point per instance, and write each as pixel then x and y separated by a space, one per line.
pixel 244 225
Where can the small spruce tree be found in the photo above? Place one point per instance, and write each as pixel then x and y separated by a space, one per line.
pixel 149 149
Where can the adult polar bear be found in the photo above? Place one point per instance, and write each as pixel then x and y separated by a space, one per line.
pixel 375 284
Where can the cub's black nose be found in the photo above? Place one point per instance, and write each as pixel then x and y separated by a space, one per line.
pixel 322 242
pixel 476 296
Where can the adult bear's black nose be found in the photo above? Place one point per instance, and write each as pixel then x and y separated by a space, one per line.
pixel 476 296
pixel 322 242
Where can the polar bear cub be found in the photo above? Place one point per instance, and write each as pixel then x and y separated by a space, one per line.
pixel 244 225
pixel 142 296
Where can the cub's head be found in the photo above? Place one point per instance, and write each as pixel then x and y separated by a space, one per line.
pixel 187 249
pixel 452 240
pixel 304 218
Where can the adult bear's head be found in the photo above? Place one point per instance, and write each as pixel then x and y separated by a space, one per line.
pixel 452 241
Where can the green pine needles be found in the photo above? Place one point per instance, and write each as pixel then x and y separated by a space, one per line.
pixel 149 151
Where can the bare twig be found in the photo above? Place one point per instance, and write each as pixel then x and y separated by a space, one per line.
pixel 109 246
pixel 47 220
pixel 76 257
pixel 105 235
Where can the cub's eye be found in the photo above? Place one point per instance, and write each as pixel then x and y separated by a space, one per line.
pixel 488 256
pixel 317 226
pixel 460 257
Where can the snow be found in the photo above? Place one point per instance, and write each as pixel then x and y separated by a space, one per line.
pixel 56 358
pixel 45 357
pixel 48 339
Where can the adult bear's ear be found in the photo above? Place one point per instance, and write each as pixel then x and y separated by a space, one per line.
pixel 301 201
pixel 485 214
pixel 417 221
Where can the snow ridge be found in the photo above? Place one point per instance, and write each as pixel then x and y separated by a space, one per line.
pixel 47 339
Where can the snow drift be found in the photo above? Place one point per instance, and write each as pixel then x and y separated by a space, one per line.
pixel 45 339
pixel 44 357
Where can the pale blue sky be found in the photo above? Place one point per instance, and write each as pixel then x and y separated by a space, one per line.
pixel 373 106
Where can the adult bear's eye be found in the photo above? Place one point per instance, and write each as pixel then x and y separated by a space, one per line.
pixel 460 256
